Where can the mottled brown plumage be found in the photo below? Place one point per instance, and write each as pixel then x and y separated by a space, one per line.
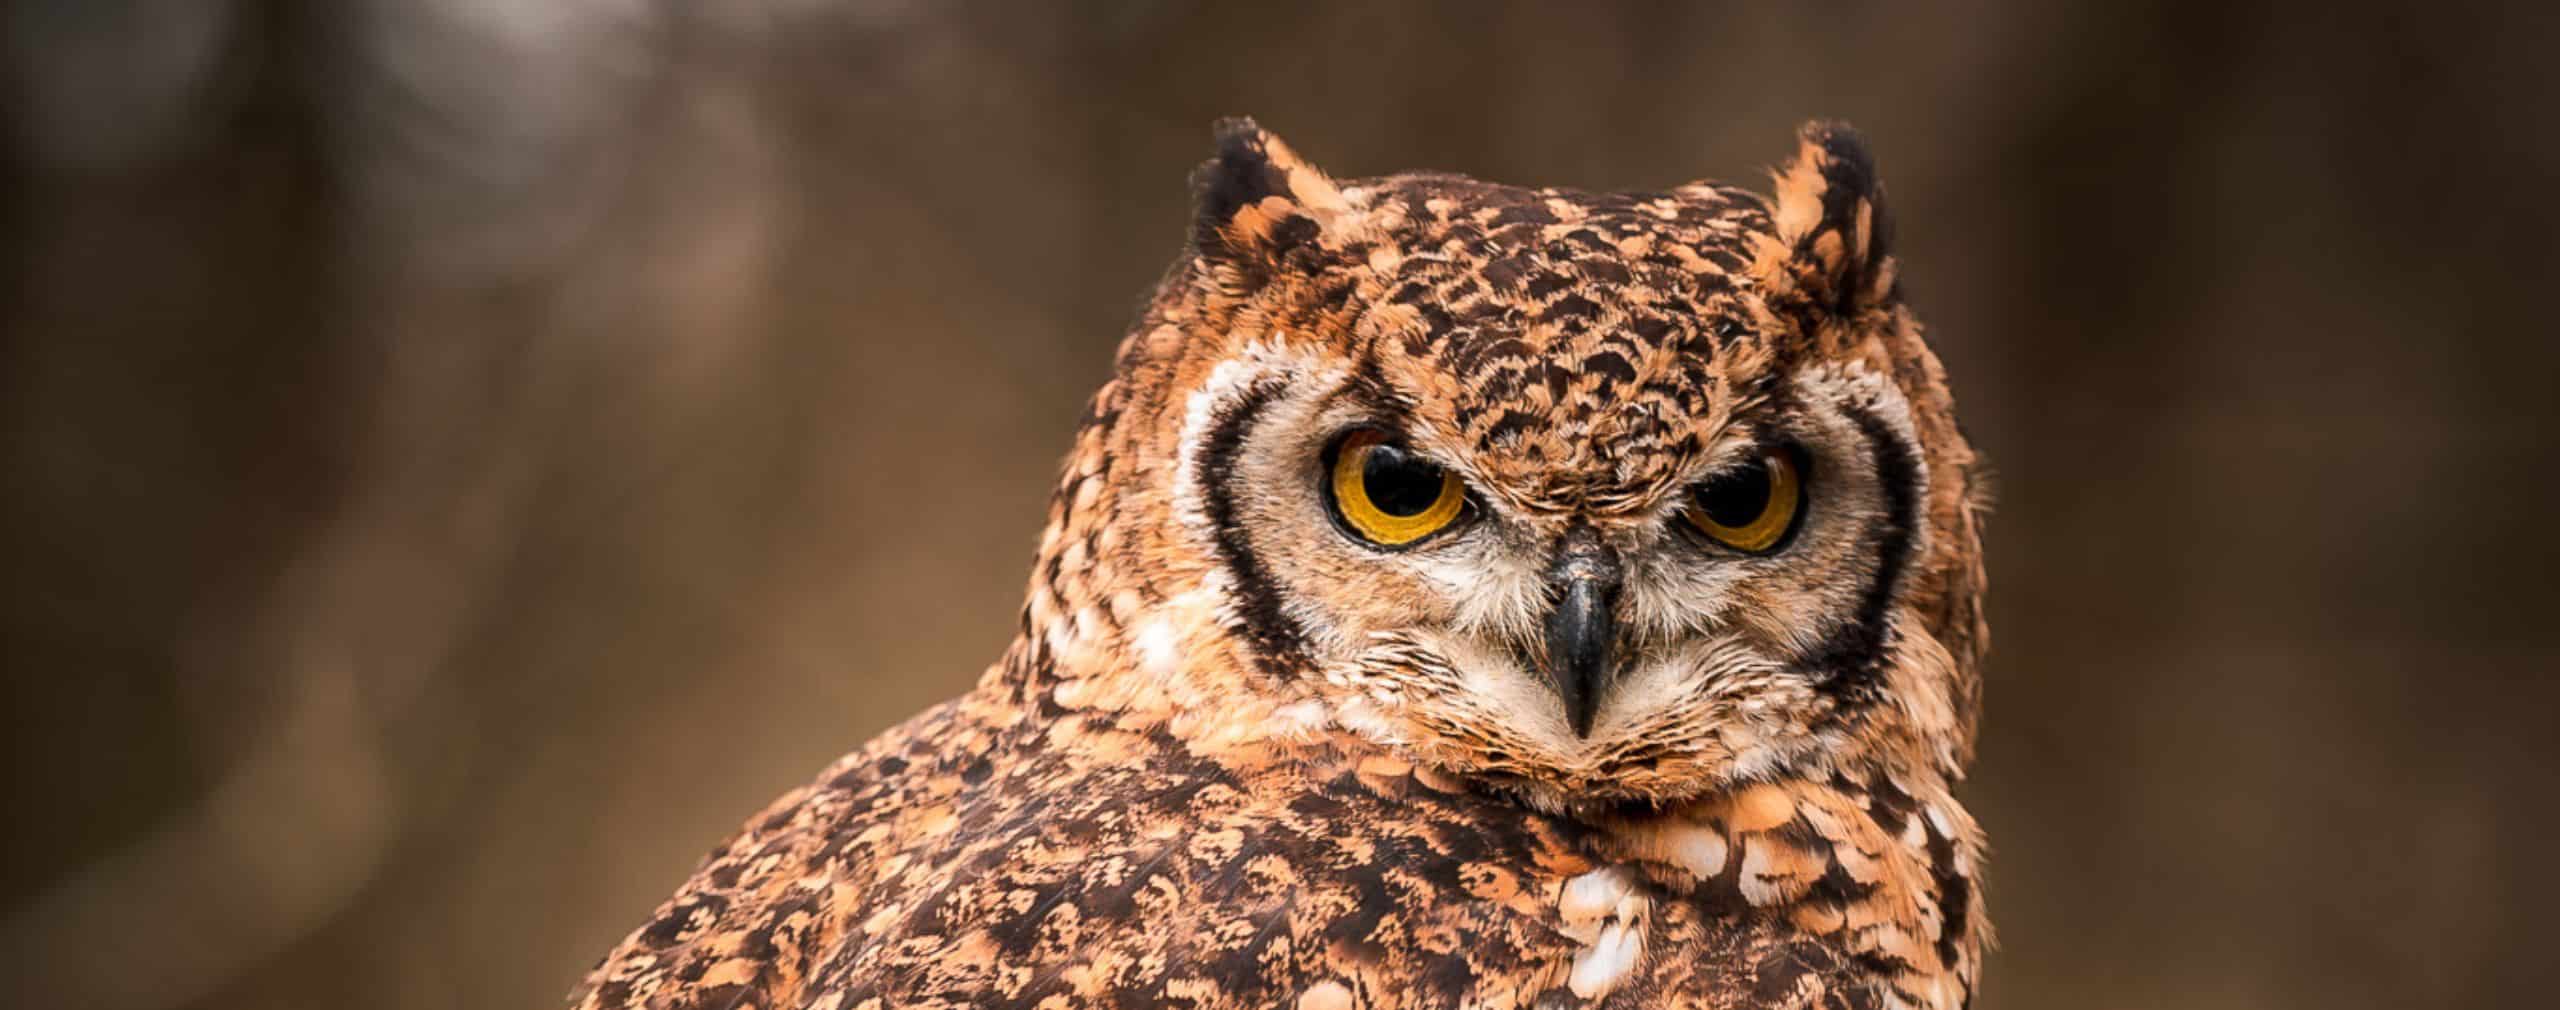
pixel 1242 757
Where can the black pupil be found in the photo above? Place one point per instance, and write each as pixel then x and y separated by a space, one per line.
pixel 1738 498
pixel 1398 484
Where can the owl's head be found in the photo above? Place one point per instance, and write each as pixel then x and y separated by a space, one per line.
pixel 1603 498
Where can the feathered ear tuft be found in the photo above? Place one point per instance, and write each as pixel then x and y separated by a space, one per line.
pixel 1257 200
pixel 1831 219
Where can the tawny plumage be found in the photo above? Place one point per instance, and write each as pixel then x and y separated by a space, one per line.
pixel 1461 596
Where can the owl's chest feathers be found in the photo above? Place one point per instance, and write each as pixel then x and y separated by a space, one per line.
pixel 1798 887
pixel 1865 869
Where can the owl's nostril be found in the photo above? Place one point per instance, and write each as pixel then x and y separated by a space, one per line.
pixel 1582 630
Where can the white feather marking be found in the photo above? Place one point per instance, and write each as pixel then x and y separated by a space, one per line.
pixel 1325 995
pixel 1159 646
pixel 1300 719
pixel 1757 884
pixel 1696 848
pixel 1607 962
pixel 1593 895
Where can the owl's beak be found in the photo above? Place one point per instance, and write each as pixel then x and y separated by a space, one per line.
pixel 1582 630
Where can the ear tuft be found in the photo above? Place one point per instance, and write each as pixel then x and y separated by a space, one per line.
pixel 1256 199
pixel 1831 219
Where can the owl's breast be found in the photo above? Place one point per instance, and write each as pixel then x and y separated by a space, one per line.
pixel 976 857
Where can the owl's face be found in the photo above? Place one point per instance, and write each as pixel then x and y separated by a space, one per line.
pixel 1602 497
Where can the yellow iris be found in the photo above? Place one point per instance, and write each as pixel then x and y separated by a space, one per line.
pixel 1751 509
pixel 1390 496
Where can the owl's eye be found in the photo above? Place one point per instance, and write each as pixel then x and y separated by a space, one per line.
pixel 1389 496
pixel 1752 508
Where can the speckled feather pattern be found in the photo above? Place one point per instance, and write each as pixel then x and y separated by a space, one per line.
pixel 978 857
pixel 1182 787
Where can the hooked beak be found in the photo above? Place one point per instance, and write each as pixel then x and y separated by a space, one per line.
pixel 1582 630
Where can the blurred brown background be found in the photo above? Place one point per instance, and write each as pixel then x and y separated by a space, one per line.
pixel 463 456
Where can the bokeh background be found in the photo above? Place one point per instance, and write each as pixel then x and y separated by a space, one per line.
pixel 461 457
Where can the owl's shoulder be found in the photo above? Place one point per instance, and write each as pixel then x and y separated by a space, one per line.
pixel 757 913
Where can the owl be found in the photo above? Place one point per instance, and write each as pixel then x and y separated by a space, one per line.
pixel 1461 595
